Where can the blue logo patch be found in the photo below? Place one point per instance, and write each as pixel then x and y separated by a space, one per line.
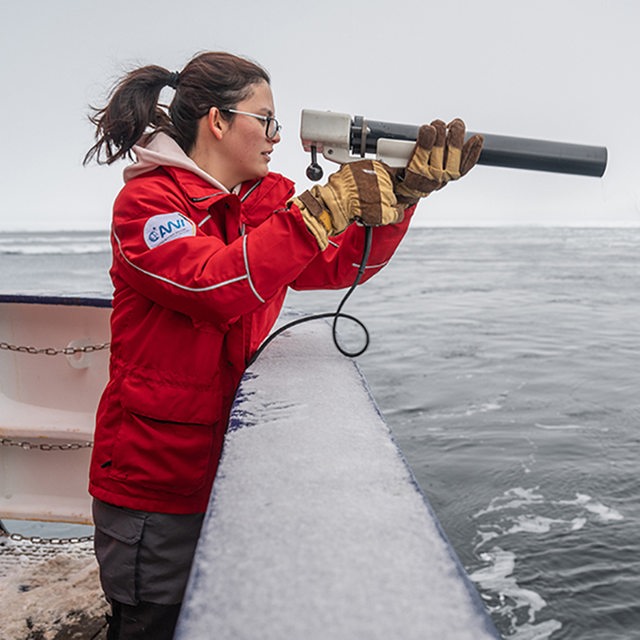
pixel 166 227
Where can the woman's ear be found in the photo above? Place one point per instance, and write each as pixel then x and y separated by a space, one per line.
pixel 216 123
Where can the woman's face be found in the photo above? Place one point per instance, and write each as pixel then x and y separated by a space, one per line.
pixel 246 147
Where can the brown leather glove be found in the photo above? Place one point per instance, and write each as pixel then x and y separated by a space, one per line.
pixel 361 190
pixel 439 156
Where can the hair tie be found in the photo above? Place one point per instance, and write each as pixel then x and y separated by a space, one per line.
pixel 172 80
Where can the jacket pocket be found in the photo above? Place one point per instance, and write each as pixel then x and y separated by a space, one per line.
pixel 190 403
pixel 124 525
pixel 169 437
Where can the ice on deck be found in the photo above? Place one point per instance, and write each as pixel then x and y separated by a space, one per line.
pixel 316 527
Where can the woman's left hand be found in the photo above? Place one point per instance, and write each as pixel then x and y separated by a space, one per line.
pixel 439 156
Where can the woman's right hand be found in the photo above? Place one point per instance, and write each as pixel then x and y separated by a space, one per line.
pixel 361 190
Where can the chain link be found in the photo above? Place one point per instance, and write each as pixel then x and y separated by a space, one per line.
pixel 24 444
pixel 51 351
pixel 18 537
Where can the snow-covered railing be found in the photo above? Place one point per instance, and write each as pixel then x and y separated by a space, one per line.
pixel 316 527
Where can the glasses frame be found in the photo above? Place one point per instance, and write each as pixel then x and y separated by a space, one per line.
pixel 268 120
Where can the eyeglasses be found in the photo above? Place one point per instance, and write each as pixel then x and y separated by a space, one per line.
pixel 272 126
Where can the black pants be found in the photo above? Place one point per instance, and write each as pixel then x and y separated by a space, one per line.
pixel 144 560
pixel 143 621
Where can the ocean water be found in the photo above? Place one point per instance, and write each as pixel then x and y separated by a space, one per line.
pixel 507 363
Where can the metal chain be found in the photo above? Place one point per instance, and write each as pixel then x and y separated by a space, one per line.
pixel 24 444
pixel 71 446
pixel 51 351
pixel 18 537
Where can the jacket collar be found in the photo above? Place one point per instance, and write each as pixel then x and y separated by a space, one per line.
pixel 160 151
pixel 200 193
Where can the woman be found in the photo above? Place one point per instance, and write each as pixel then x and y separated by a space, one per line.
pixel 206 241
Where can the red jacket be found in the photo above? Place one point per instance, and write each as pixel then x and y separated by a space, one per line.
pixel 200 276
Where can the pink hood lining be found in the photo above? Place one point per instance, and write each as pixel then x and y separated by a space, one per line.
pixel 163 151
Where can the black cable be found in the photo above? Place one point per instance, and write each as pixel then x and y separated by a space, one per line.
pixel 336 315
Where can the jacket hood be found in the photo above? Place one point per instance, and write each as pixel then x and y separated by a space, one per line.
pixel 161 150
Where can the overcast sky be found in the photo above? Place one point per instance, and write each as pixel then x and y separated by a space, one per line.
pixel 564 70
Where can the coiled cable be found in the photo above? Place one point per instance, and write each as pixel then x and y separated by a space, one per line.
pixel 336 315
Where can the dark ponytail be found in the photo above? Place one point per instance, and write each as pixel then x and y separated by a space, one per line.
pixel 210 79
